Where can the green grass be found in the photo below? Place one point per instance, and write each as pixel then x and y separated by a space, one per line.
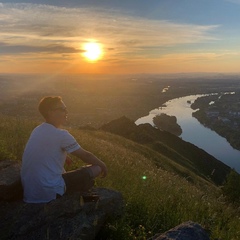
pixel 161 201
pixel 14 133
pixel 155 204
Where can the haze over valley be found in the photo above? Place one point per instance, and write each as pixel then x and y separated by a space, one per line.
pixel 97 99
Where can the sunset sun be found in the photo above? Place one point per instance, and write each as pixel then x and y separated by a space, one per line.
pixel 92 51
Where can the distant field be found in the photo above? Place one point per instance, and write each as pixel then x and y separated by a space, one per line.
pixel 95 100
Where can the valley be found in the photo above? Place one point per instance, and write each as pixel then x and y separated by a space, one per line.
pixel 181 181
pixel 96 99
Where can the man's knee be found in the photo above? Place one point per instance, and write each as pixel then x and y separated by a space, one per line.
pixel 78 180
pixel 94 171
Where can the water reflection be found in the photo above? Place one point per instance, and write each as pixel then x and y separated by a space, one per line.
pixel 194 132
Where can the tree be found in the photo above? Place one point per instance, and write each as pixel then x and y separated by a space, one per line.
pixel 167 123
pixel 231 188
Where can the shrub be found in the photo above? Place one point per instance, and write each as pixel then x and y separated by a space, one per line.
pixel 231 188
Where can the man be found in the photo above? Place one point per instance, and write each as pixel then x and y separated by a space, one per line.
pixel 42 174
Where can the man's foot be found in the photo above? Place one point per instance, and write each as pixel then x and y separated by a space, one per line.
pixel 90 197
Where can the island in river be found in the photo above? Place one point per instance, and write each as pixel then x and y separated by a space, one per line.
pixel 167 123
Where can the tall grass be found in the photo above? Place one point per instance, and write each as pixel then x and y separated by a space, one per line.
pixel 162 199
pixel 14 133
pixel 155 199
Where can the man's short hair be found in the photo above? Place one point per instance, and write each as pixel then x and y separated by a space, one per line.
pixel 48 103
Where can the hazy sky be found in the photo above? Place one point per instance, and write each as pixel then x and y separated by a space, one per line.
pixel 136 36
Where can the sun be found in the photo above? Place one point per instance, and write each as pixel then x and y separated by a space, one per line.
pixel 92 51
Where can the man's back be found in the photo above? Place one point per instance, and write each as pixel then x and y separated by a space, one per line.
pixel 42 172
pixel 43 161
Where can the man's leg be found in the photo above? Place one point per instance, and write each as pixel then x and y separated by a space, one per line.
pixel 95 171
pixel 81 180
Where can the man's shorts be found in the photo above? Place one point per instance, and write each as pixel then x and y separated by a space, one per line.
pixel 79 180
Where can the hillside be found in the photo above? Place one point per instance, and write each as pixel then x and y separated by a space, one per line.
pixel 156 194
pixel 187 156
pixel 159 192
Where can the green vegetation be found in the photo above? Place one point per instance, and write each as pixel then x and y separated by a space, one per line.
pixel 231 187
pixel 14 133
pixel 97 99
pixel 156 199
pixel 167 123
pixel 182 157
pixel 222 115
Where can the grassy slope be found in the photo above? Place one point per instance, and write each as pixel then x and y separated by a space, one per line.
pixel 161 201
pixel 164 199
pixel 192 158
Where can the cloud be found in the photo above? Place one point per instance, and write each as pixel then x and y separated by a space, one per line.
pixel 32 27
pixel 234 1
pixel 18 49
pixel 199 57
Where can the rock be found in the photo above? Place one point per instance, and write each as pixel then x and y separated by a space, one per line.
pixel 10 181
pixel 65 218
pixel 68 217
pixel 185 231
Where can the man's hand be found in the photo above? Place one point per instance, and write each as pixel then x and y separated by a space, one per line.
pixel 104 169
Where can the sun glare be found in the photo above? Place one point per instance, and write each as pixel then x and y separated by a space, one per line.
pixel 93 51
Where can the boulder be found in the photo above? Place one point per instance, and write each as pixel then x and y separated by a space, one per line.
pixel 10 181
pixel 185 231
pixel 68 217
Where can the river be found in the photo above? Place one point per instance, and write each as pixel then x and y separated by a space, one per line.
pixel 196 133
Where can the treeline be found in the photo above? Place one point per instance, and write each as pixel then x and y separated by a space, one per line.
pixel 223 129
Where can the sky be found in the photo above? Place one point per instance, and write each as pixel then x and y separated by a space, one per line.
pixel 134 36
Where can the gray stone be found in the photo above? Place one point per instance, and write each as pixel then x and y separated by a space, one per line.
pixel 10 182
pixel 65 218
pixel 68 217
pixel 185 231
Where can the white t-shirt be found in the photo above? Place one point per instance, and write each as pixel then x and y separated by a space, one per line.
pixel 43 163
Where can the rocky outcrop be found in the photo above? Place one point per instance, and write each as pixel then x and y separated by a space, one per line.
pixel 10 182
pixel 68 217
pixel 185 231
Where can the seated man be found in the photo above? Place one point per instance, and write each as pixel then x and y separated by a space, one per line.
pixel 42 174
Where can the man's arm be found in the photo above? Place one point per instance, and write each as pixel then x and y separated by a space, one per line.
pixel 90 158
